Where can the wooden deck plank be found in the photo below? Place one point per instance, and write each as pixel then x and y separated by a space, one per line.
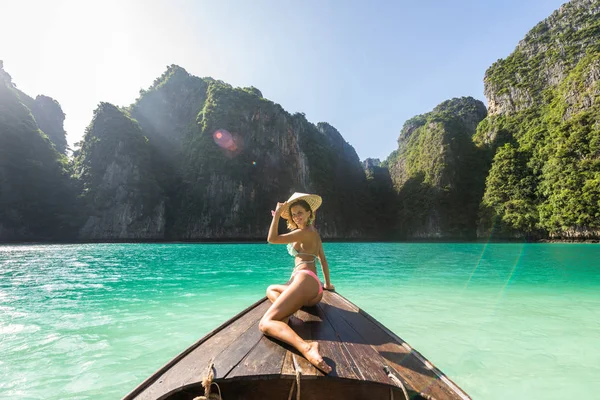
pixel 194 365
pixel 266 358
pixel 339 300
pixel 228 359
pixel 419 375
pixel 366 359
pixel 299 322
pixel 329 345
pixel 288 364
pixel 385 345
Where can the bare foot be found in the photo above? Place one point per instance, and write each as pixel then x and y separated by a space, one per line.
pixel 314 357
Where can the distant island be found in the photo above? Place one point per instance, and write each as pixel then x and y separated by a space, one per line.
pixel 196 159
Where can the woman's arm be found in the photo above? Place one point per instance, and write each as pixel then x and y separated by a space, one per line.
pixel 325 267
pixel 273 231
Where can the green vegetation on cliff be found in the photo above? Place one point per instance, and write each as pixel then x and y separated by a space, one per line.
pixel 569 185
pixel 248 152
pixel 36 195
pixel 556 42
pixel 119 190
pixel 338 175
pixel 382 199
pixel 438 172
pixel 50 118
pixel 167 111
pixel 230 163
pixel 195 158
pixel 545 175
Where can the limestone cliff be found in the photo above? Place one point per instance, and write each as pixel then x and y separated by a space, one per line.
pixel 48 116
pixel 120 195
pixel 543 58
pixel 221 158
pixel 36 195
pixel 195 158
pixel 543 131
pixel 338 174
pixel 167 110
pixel 438 173
pixel 383 199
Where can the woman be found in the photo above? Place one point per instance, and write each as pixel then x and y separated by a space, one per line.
pixel 304 288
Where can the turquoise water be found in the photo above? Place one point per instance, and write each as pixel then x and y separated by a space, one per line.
pixel 501 320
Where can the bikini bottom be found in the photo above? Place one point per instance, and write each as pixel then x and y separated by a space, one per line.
pixel 309 272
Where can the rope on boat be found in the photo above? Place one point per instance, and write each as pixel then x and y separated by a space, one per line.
pixel 397 382
pixel 294 384
pixel 297 381
pixel 207 383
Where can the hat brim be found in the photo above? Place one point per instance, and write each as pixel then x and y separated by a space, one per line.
pixel 313 200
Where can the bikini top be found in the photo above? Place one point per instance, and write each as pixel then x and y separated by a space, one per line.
pixel 293 252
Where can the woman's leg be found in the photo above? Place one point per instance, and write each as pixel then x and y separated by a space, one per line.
pixel 274 291
pixel 302 289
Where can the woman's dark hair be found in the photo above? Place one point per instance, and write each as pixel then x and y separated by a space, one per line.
pixel 302 203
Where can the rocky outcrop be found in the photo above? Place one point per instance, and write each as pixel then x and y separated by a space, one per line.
pixel 167 111
pixel 582 92
pixel 438 173
pixel 36 195
pixel 249 153
pixel 343 181
pixel 383 200
pixel 222 157
pixel 371 163
pixel 542 131
pixel 50 118
pixel 120 194
pixel 543 58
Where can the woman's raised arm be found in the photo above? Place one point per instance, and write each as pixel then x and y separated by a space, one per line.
pixel 275 237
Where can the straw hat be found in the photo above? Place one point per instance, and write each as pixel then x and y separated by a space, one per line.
pixel 313 200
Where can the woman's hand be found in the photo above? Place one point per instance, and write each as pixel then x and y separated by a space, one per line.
pixel 278 209
pixel 329 287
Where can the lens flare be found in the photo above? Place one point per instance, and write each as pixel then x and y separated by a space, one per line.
pixel 224 139
pixel 512 272
pixel 485 246
pixel 231 143
pixel 481 256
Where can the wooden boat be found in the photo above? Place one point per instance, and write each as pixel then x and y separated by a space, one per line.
pixel 368 360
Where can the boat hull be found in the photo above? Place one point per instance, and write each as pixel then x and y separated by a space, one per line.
pixel 368 361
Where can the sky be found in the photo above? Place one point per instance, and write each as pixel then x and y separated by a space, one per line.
pixel 364 67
